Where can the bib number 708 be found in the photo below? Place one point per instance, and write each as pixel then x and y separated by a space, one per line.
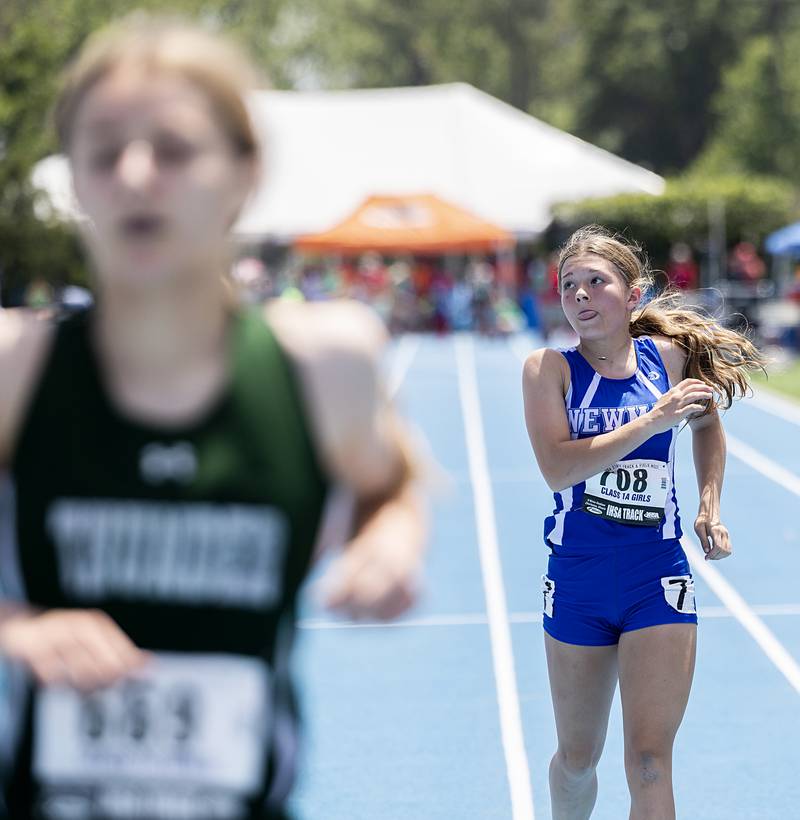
pixel 625 481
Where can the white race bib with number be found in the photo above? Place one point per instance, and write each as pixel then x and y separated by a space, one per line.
pixel 186 718
pixel 629 492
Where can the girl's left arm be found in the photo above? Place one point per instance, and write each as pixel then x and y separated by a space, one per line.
pixel 708 448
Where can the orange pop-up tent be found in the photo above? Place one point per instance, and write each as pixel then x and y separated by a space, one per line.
pixel 421 223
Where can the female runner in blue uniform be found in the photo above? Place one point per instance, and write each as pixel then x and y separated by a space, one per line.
pixel 618 595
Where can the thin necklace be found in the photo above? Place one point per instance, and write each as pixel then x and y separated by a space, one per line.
pixel 602 358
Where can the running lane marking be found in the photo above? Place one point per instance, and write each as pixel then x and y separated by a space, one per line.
pixel 499 631
pixel 740 609
pixel 760 463
pixel 339 508
pixel 771 402
pixel 521 345
pixel 406 351
pixel 743 613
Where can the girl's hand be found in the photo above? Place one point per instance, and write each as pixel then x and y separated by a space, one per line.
pixel 688 398
pixel 714 538
pixel 80 647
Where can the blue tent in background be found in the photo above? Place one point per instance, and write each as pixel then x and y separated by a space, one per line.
pixel 785 242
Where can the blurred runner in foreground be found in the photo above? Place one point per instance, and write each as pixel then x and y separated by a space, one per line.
pixel 170 455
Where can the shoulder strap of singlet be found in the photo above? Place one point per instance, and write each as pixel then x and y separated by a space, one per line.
pixel 651 371
pixel 268 396
pixel 583 380
pixel 64 373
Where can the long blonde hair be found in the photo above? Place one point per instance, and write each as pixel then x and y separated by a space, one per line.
pixel 714 354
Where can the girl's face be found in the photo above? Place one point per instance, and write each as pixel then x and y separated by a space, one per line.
pixel 157 177
pixel 595 297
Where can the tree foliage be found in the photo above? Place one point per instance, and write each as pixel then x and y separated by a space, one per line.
pixel 651 71
pixel 37 39
pixel 752 207
pixel 707 85
pixel 758 108
pixel 640 79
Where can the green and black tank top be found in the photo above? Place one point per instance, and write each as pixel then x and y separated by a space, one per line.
pixel 195 541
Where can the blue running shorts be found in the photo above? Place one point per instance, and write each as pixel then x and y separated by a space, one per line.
pixel 592 595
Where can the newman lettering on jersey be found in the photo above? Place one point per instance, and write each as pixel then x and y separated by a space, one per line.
pixel 224 554
pixel 603 419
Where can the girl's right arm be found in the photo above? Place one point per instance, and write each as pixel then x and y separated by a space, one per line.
pixel 84 648
pixel 565 462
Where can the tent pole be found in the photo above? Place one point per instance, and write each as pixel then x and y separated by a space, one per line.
pixel 717 241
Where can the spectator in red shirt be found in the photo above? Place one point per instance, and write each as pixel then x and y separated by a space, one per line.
pixel 681 269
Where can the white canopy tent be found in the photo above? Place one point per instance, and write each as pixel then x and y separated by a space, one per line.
pixel 327 151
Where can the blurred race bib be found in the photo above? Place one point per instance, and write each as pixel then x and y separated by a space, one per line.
pixel 630 492
pixel 186 719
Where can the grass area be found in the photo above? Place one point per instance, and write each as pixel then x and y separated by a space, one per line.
pixel 784 379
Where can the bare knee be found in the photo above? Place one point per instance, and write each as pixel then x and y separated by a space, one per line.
pixel 577 762
pixel 648 767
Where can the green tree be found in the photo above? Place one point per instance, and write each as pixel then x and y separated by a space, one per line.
pixel 759 112
pixel 29 61
pixel 37 39
pixel 649 71
pixel 658 83
pixel 753 207
pixel 637 78
pixel 497 45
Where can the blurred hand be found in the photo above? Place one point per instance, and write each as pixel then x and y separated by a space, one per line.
pixel 372 579
pixel 714 538
pixel 80 647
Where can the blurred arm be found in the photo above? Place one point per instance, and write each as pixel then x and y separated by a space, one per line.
pixel 366 447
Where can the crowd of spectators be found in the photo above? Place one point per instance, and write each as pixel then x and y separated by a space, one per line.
pixel 420 294
pixel 496 295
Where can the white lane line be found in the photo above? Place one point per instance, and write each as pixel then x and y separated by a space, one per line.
pixel 771 646
pixel 759 609
pixel 743 613
pixel 480 619
pixel 521 346
pixel 771 402
pixel 406 350
pixel 339 508
pixel 465 619
pixel 766 466
pixel 499 631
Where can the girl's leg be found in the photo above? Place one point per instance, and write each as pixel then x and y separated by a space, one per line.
pixel 656 665
pixel 582 683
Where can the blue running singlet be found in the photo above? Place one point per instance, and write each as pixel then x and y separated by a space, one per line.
pixel 632 501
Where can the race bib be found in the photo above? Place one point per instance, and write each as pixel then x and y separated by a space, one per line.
pixel 679 593
pixel 187 718
pixel 630 492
